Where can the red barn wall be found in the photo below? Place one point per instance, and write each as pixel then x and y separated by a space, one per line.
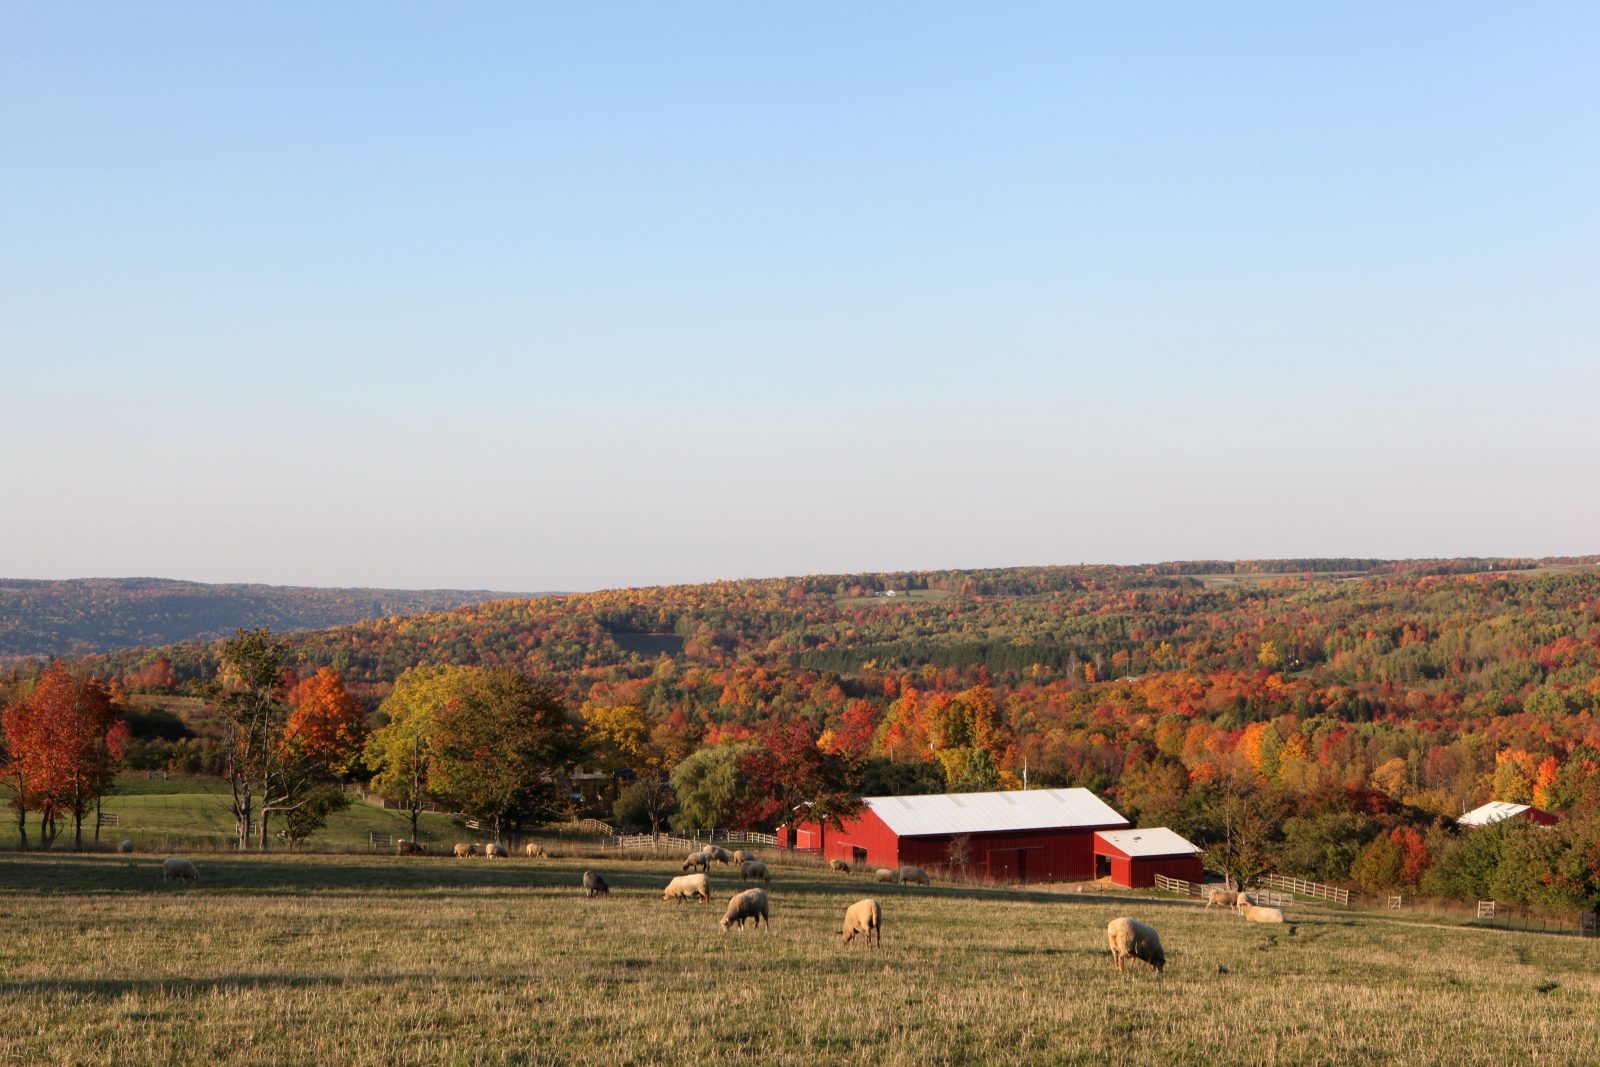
pixel 1142 870
pixel 1055 855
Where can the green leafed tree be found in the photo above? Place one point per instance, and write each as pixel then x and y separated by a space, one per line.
pixel 502 750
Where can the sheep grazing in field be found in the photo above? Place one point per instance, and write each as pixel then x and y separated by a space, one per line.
pixel 740 855
pixel 536 851
pixel 495 850
pixel 463 850
pixel 751 904
pixel 1131 940
pixel 1222 898
pixel 594 885
pixel 839 865
pixel 1254 914
pixel 863 917
pixel 697 861
pixel 914 876
pixel 409 848
pixel 124 846
pixel 179 870
pixel 688 887
pixel 754 870
pixel 715 852
pixel 885 875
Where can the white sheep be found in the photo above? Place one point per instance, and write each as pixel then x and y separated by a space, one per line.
pixel 754 870
pixel 885 875
pixel 863 917
pixel 740 855
pixel 179 870
pixel 125 846
pixel 751 904
pixel 1222 898
pixel 594 885
pixel 495 850
pixel 536 851
pixel 1134 940
pixel 1255 914
pixel 462 849
pixel 697 860
pixel 688 887
pixel 914 875
pixel 839 865
pixel 1244 903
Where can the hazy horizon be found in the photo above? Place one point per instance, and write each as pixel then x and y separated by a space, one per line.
pixel 577 299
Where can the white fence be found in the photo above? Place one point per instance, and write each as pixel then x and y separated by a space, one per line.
pixel 1303 888
pixel 1485 909
pixel 1396 902
pixel 1178 885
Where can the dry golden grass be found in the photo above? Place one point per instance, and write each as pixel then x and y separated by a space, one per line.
pixel 327 959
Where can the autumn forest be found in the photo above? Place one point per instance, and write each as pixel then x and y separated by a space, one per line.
pixel 1323 718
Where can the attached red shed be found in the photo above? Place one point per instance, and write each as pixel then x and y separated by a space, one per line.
pixel 1134 857
pixel 1034 835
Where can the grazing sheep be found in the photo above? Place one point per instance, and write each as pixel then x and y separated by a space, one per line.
pixel 688 887
pixel 409 848
pixel 697 861
pixel 740 855
pixel 179 870
pixel 464 849
pixel 863 917
pixel 594 885
pixel 751 904
pixel 1254 914
pixel 839 865
pixel 495 850
pixel 1135 940
pixel 1222 898
pixel 716 852
pixel 536 851
pixel 914 875
pixel 754 869
pixel 886 875
pixel 125 846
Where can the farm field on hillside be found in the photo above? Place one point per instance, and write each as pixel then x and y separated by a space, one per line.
pixel 340 959
pixel 193 813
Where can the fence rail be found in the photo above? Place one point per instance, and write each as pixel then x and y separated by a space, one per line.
pixel 1485 909
pixel 110 818
pixel 1396 901
pixel 1304 888
pixel 1178 885
pixel 595 826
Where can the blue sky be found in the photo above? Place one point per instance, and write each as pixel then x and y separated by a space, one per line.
pixel 533 298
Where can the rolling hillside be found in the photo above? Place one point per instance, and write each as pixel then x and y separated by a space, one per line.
pixel 85 615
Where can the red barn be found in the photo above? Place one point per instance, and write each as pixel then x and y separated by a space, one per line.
pixel 1500 810
pixel 1134 857
pixel 1034 835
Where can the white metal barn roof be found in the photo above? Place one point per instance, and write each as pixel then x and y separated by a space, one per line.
pixel 977 813
pixel 1493 811
pixel 1155 841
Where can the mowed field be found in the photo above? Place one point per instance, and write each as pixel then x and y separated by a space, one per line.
pixel 378 960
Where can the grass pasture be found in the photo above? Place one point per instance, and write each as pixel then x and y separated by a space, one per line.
pixel 320 959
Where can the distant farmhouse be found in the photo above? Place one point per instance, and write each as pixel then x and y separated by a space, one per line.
pixel 1036 835
pixel 1500 810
